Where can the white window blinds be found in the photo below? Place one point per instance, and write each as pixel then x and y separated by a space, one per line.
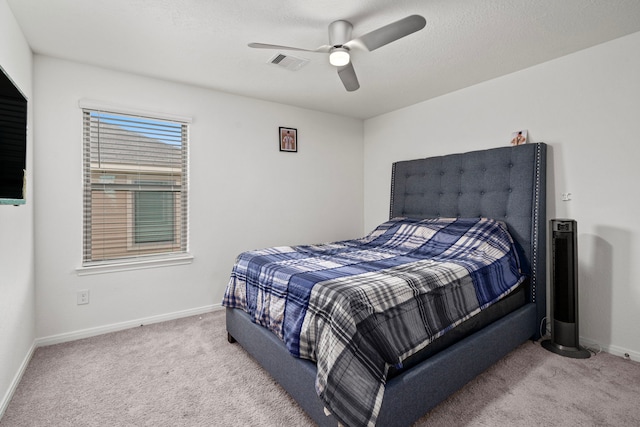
pixel 135 187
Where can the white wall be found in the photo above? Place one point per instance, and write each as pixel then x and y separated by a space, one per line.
pixel 17 316
pixel 586 106
pixel 244 193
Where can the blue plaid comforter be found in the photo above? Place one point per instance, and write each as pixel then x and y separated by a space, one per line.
pixel 357 307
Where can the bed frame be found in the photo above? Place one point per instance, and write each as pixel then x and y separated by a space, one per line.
pixel 506 183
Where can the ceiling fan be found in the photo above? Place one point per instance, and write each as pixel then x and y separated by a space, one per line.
pixel 341 43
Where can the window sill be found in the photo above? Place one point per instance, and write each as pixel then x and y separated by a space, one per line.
pixel 135 265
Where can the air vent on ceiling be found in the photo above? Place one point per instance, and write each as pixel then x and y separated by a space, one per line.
pixel 289 62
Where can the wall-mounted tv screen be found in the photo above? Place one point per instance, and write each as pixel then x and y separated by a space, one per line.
pixel 13 141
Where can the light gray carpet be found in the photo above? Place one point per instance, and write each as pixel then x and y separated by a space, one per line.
pixel 184 373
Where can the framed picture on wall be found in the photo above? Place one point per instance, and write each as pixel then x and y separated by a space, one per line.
pixel 288 139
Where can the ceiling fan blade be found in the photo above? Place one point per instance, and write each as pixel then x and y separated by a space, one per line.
pixel 392 32
pixel 348 76
pixel 324 48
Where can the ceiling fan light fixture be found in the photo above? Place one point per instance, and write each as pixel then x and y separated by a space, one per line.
pixel 339 56
pixel 340 44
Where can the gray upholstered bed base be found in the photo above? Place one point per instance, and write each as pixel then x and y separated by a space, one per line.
pixel 503 183
pixel 408 396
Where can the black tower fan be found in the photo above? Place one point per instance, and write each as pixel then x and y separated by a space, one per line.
pixel 564 291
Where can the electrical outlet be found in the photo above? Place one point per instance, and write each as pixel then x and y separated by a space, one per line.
pixel 83 296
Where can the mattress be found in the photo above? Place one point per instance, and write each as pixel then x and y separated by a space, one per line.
pixel 357 307
pixel 508 304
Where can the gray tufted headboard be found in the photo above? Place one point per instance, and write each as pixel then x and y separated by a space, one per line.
pixel 508 184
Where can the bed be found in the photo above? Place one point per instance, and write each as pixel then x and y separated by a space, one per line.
pixel 505 185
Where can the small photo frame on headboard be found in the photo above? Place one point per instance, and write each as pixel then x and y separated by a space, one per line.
pixel 288 139
pixel 519 137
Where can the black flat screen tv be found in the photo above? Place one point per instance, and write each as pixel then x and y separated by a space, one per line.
pixel 13 142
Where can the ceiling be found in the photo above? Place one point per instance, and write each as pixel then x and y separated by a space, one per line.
pixel 204 43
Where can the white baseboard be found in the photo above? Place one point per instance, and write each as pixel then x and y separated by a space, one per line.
pixel 90 332
pixel 4 403
pixel 612 349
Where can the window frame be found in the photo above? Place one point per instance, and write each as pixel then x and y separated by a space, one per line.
pixel 176 257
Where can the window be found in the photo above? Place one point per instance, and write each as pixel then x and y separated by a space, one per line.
pixel 154 216
pixel 135 187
